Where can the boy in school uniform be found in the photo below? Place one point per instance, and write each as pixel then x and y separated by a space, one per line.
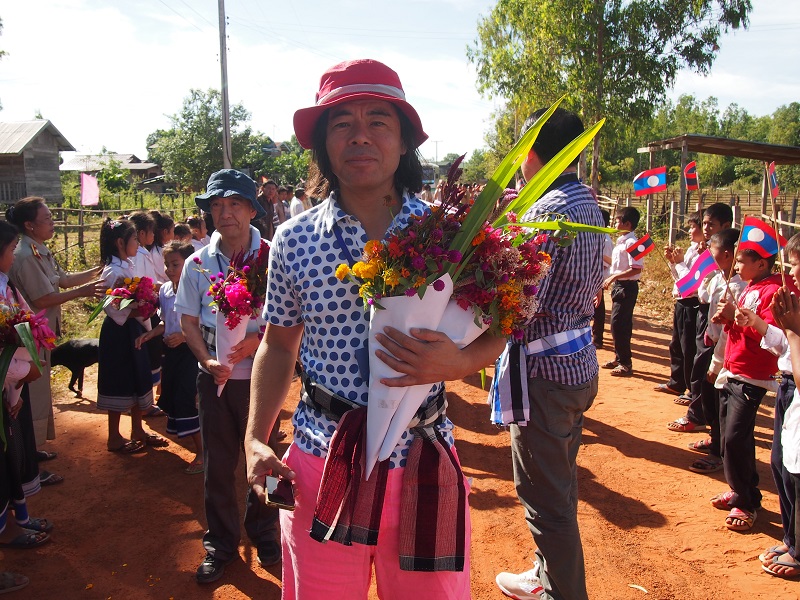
pixel 624 284
pixel 744 379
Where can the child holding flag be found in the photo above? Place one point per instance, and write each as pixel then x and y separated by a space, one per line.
pixel 746 375
pixel 626 269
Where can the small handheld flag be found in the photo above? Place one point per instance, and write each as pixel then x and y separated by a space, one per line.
pixel 702 267
pixel 643 246
pixel 90 190
pixel 773 180
pixel 690 174
pixel 650 181
pixel 760 237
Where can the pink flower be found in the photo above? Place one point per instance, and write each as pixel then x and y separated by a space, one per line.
pixel 438 285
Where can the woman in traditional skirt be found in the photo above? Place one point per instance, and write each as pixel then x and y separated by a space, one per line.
pixel 179 375
pixel 123 374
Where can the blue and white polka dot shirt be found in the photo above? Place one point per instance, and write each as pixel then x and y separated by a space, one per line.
pixel 302 288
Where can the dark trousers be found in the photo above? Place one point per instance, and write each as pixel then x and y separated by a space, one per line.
pixel 623 299
pixel 599 322
pixel 223 422
pixel 784 482
pixel 698 384
pixel 795 516
pixel 711 412
pixel 738 406
pixel 683 345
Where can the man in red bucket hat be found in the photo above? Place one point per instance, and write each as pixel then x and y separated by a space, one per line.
pixel 364 137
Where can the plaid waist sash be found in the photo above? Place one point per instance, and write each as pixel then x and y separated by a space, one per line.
pixel 508 397
pixel 209 335
pixel 433 499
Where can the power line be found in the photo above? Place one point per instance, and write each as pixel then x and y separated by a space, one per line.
pixel 180 15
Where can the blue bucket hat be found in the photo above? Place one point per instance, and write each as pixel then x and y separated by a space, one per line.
pixel 229 182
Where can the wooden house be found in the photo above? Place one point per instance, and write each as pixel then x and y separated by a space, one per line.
pixel 29 160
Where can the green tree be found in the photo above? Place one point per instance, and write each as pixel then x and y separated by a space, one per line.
pixel 475 167
pixel 785 130
pixel 612 58
pixel 192 149
pixel 113 177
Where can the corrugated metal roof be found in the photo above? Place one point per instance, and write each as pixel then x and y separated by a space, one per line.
pixel 96 162
pixel 15 137
pixel 707 144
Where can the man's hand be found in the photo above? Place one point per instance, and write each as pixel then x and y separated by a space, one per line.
pixel 426 356
pixel 598 297
pixel 142 339
pixel 218 371
pixel 33 374
pixel 244 349
pixel 262 461
pixel 609 281
pixel 174 340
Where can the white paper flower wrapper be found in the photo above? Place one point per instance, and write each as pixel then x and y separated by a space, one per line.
pixel 457 324
pixel 402 313
pixel 12 394
pixel 227 339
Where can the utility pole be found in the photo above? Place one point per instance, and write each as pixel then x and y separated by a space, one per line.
pixel 436 144
pixel 226 117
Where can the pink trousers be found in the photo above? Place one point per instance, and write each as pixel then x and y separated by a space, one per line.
pixel 313 570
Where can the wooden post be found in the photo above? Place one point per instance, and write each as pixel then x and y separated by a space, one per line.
pixel 673 220
pixel 794 210
pixel 784 228
pixel 737 215
pixel 684 195
pixel 649 213
pixel 765 191
pixel 80 227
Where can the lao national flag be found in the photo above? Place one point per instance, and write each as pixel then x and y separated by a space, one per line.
pixel 651 181
pixel 643 246
pixel 773 181
pixel 690 173
pixel 90 190
pixel 702 267
pixel 758 236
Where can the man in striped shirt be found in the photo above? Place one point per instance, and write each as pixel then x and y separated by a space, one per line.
pixel 562 386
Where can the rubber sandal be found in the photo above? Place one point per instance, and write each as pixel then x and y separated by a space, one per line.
pixel 774 551
pixel 155 412
pixel 155 441
pixel 684 425
pixel 48 478
pixel 706 465
pixel 44 455
pixel 683 400
pixel 26 539
pixel 129 447
pixel 664 388
pixel 11 582
pixel 194 468
pixel 40 525
pixel 746 517
pixel 721 501
pixel 612 364
pixel 703 445
pixel 621 371
pixel 778 562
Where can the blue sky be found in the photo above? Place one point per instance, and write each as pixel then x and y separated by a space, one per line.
pixel 107 72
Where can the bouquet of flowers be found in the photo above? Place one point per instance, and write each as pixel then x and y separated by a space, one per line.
pixel 493 264
pixel 127 291
pixel 237 296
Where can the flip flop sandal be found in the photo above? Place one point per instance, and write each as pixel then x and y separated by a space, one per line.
pixel 11 582
pixel 48 478
pixel 612 364
pixel 721 501
pixel 775 551
pixel 663 387
pixel 701 445
pixel 27 539
pixel 40 525
pixel 155 441
pixel 684 425
pixel 44 455
pixel 706 465
pixel 683 400
pixel 129 447
pixel 747 519
pixel 777 562
pixel 621 371
pixel 194 468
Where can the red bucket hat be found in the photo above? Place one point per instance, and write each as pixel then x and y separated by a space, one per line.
pixel 355 80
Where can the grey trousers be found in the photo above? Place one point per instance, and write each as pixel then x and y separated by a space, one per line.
pixel 223 422
pixel 546 477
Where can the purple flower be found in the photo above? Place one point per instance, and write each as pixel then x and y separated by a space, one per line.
pixel 438 285
pixel 197 260
pixel 213 278
pixel 418 262
pixel 246 269
pixel 454 256
pixel 411 292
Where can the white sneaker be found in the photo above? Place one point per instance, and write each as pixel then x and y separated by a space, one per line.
pixel 522 586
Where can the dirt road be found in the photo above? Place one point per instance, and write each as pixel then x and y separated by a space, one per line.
pixel 129 527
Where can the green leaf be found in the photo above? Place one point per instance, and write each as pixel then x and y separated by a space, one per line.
pixel 98 309
pixel 566 226
pixel 125 303
pixel 26 336
pixel 534 189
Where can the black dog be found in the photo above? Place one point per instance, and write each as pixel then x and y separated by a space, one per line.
pixel 76 355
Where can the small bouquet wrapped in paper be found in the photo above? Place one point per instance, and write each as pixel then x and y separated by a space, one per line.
pixel 134 292
pixel 237 296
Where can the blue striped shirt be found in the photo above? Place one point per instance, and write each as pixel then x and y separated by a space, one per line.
pixel 566 296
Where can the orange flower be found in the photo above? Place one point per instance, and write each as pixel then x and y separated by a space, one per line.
pixel 478 239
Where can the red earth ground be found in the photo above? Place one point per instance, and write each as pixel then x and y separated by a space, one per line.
pixel 129 527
